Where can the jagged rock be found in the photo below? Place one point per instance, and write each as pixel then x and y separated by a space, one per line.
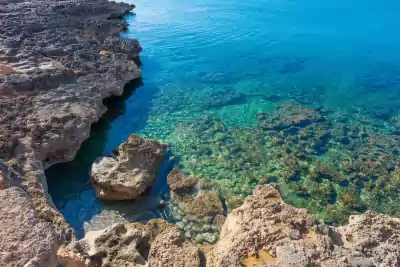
pixel 170 249
pixel 156 243
pixel 67 258
pixel 53 80
pixel 281 235
pixel 130 172
pixel 59 78
pixel 25 238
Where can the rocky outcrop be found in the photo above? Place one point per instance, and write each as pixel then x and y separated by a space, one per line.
pixel 156 243
pixel 58 61
pixel 265 230
pixel 196 206
pixel 130 172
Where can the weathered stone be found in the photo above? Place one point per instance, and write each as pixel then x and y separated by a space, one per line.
pixel 130 173
pixel 52 85
pixel 262 226
pixel 177 181
pixel 290 256
pixel 25 238
pixel 170 249
pixel 136 245
pixel 67 258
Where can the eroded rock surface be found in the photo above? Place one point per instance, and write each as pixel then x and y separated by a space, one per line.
pixel 156 243
pixel 265 230
pixel 58 61
pixel 26 239
pixel 128 174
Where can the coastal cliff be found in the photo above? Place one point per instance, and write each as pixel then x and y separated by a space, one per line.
pixel 58 61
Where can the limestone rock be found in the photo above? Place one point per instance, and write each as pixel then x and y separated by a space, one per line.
pixel 170 249
pixel 135 245
pixel 67 258
pixel 281 235
pixel 52 84
pixel 25 239
pixel 130 172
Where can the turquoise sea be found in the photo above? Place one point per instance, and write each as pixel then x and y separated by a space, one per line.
pixel 216 72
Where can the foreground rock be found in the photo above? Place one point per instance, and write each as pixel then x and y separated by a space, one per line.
pixel 128 174
pixel 58 61
pixel 265 230
pixel 196 206
pixel 26 239
pixel 133 245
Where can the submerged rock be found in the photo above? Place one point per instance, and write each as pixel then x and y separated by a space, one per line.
pixel 156 243
pixel 130 172
pixel 289 114
pixel 196 205
pixel 273 232
pixel 196 197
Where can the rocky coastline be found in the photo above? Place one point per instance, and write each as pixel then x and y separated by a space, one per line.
pixel 58 61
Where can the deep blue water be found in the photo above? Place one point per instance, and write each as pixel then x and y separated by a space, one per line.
pixel 199 55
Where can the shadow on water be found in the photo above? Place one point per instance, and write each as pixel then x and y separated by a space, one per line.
pixel 69 184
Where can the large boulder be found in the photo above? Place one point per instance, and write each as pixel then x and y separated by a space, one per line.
pixel 266 230
pixel 156 243
pixel 130 172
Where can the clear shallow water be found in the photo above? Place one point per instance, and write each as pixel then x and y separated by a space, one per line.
pixel 232 59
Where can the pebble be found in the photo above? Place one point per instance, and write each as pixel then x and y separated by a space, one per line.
pixel 180 225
